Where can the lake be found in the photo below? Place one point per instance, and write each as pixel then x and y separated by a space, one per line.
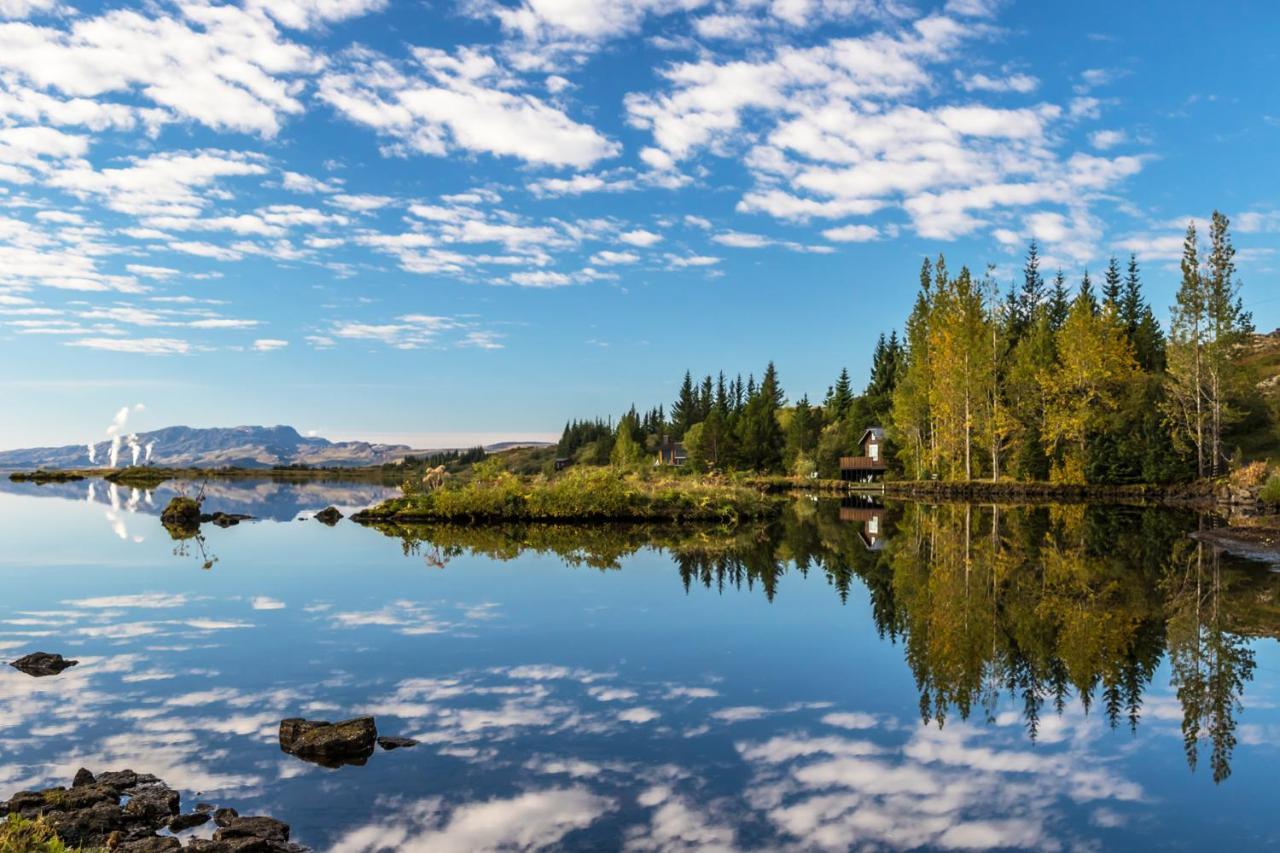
pixel 856 675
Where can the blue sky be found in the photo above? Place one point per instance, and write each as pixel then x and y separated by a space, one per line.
pixel 471 219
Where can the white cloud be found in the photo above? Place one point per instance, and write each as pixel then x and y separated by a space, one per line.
pixel 144 346
pixel 610 258
pixel 306 14
pixel 1023 84
pixel 1105 140
pixel 264 602
pixel 640 237
pixel 462 101
pixel 19 9
pixel 852 233
pixel 269 344
pixel 222 66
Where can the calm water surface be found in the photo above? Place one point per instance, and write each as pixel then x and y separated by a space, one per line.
pixel 939 677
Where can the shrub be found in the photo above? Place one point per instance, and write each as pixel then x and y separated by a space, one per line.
pixel 1270 493
pixel 19 835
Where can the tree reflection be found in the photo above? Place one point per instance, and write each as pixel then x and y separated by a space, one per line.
pixel 1038 604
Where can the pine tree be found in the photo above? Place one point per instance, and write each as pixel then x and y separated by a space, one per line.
pixel 685 409
pixel 841 396
pixel 1111 287
pixel 1059 302
pixel 1228 326
pixel 1186 386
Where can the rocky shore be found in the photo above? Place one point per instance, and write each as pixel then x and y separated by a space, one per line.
pixel 126 811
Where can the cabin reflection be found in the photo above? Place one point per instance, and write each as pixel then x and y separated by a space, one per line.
pixel 868 511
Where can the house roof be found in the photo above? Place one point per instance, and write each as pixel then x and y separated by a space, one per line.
pixel 875 432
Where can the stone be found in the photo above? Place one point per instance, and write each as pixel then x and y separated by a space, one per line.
pixel 265 828
pixel 187 821
pixel 204 808
pixel 329 516
pixel 41 664
pixel 389 743
pixel 223 817
pixel 83 777
pixel 154 844
pixel 153 805
pixel 330 744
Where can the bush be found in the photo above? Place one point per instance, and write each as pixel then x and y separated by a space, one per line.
pixel 1270 493
pixel 19 835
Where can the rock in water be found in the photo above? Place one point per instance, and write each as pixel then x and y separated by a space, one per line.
pixel 263 828
pixel 40 664
pixel 187 821
pixel 390 743
pixel 329 744
pixel 329 516
pixel 83 777
pixel 224 816
pixel 181 512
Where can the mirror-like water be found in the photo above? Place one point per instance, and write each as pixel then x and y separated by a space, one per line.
pixel 907 676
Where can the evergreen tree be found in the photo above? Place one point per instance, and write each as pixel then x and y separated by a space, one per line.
pixel 684 410
pixel 1111 287
pixel 841 396
pixel 1228 326
pixel 1059 302
pixel 760 438
pixel 1186 385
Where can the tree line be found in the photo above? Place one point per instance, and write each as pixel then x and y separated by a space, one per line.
pixel 1039 381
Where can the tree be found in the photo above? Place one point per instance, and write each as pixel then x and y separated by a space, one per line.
pixel 910 419
pixel 1227 327
pixel 1111 287
pixel 1059 302
pixel 626 450
pixel 1186 385
pixel 760 439
pixel 685 409
pixel 841 397
pixel 802 432
pixel 1094 367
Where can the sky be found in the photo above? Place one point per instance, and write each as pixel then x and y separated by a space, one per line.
pixel 465 220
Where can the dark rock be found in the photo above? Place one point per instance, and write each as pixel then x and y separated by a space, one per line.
pixel 389 743
pixel 187 821
pixel 329 744
pixel 223 817
pixel 126 780
pixel 40 664
pixel 83 777
pixel 225 519
pixel 329 516
pixel 204 808
pixel 153 805
pixel 154 844
pixel 88 827
pixel 264 828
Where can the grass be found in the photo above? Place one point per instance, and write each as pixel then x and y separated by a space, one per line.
pixel 579 494
pixel 20 835
pixel 43 476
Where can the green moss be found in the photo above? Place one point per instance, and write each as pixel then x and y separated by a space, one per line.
pixel 43 476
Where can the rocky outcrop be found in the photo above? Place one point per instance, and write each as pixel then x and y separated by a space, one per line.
pixel 390 743
pixel 42 664
pixel 329 744
pixel 329 515
pixel 125 811
pixel 182 512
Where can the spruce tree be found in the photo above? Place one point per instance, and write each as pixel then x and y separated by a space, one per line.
pixel 1059 302
pixel 1111 287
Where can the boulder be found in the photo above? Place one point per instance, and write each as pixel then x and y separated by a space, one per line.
pixel 181 512
pixel 41 664
pixel 154 844
pixel 83 777
pixel 329 516
pixel 330 744
pixel 223 817
pixel 390 743
pixel 153 805
pixel 187 821
pixel 264 828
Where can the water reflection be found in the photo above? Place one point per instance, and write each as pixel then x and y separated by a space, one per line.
pixel 859 675
pixel 1044 606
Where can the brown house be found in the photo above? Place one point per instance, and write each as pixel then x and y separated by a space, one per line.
pixel 671 452
pixel 871 465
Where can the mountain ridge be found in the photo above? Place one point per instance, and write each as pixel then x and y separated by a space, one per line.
pixel 243 446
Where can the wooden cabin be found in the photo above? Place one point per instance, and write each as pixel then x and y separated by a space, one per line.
pixel 671 453
pixel 871 465
pixel 563 462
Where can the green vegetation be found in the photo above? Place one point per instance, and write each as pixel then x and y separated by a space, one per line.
pixel 582 494
pixel 1034 384
pixel 43 476
pixel 1270 493
pixel 20 835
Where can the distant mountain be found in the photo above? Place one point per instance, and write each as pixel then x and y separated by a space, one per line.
pixel 243 446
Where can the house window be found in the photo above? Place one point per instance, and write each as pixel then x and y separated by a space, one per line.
pixel 873 450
